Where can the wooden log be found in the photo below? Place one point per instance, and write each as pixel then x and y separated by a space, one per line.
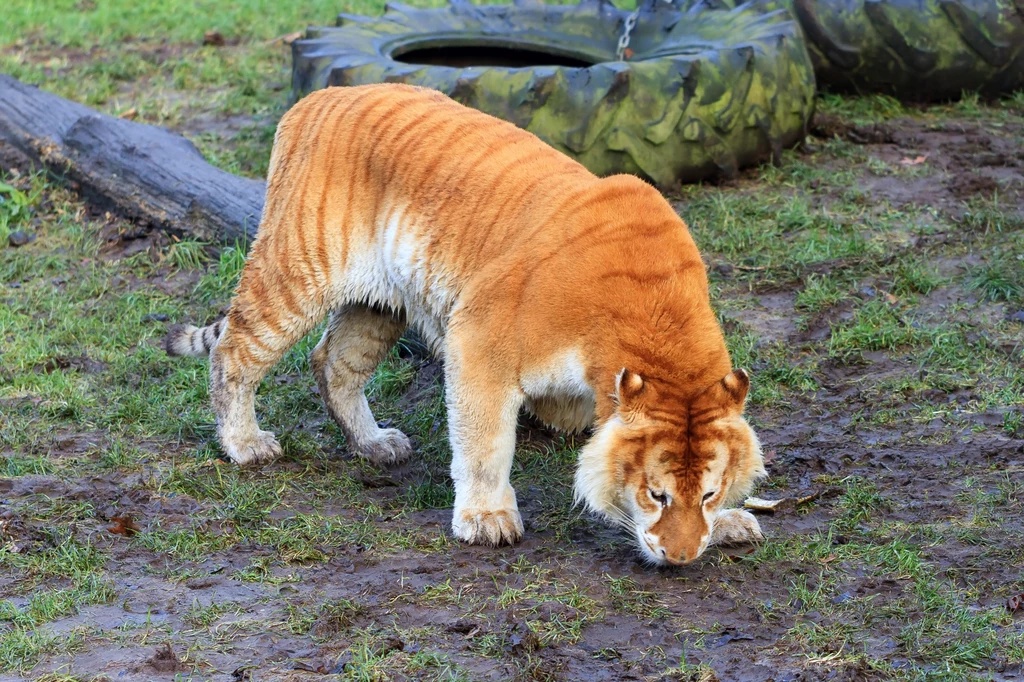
pixel 143 172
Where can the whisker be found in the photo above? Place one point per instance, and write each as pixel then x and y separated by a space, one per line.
pixel 621 517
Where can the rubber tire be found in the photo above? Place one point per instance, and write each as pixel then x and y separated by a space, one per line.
pixel 704 94
pixel 915 50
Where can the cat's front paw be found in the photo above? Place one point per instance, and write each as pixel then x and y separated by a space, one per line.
pixel 492 528
pixel 736 527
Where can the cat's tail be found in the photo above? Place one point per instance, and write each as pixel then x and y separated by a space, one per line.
pixel 195 342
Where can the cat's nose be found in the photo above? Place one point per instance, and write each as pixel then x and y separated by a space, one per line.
pixel 680 559
pixel 683 555
pixel 676 555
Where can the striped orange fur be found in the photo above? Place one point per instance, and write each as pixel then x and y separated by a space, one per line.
pixel 541 286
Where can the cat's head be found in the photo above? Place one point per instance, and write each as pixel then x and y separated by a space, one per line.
pixel 663 467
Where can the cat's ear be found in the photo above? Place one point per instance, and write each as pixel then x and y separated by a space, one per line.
pixel 737 384
pixel 729 394
pixel 629 390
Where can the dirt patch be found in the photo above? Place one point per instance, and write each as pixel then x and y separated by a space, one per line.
pixel 953 162
pixel 320 566
pixel 81 363
pixel 771 316
pixel 363 591
pixel 967 186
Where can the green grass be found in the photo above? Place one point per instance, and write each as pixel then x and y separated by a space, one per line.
pixel 67 558
pixel 21 649
pixel 186 255
pixel 50 585
pixel 946 628
pixel 203 616
pixel 72 24
pixel 861 110
pixel 149 59
pixel 1001 279
pixel 778 371
pixel 184 543
pixel 628 596
pixel 781 236
pixel 876 325
pixel 898 307
pixel 16 207
pixel 46 606
pixel 821 293
pixel 150 416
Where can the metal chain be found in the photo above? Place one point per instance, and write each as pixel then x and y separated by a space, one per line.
pixel 627 30
pixel 624 38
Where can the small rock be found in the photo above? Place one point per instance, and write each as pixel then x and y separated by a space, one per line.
pixel 461 626
pixel 164 660
pixel 20 238
pixel 202 583
pixel 840 598
pixel 155 317
pixel 242 674
pixel 137 233
pixel 522 640
pixel 214 39
pixel 1016 317
pixel 391 644
pixel 549 611
pixel 339 665
pixel 731 635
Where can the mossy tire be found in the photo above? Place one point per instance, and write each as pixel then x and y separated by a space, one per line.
pixel 914 50
pixel 699 94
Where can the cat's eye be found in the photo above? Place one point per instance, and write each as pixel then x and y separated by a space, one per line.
pixel 661 498
pixel 708 496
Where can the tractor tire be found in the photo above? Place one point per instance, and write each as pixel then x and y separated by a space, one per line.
pixel 698 94
pixel 914 50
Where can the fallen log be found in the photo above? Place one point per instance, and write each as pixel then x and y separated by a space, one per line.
pixel 143 172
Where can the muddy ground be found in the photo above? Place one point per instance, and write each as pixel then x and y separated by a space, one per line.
pixel 904 565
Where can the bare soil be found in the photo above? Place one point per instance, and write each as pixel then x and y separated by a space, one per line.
pixel 715 596
pixel 735 619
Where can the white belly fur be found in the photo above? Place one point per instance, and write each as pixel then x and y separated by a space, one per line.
pixel 393 273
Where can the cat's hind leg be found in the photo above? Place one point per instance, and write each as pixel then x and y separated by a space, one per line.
pixel 570 414
pixel 270 312
pixel 356 340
